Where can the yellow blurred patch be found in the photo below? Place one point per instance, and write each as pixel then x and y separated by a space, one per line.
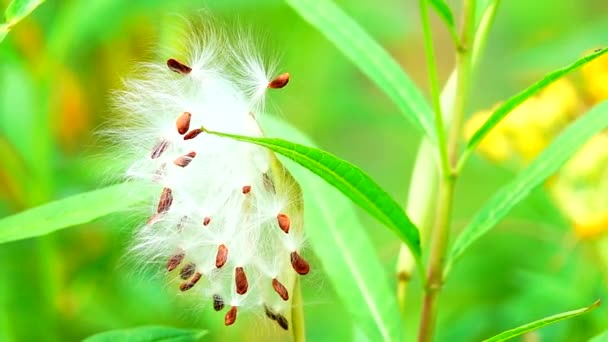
pixel 595 76
pixel 580 188
pixel 70 105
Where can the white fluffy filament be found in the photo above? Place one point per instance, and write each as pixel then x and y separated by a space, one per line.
pixel 220 224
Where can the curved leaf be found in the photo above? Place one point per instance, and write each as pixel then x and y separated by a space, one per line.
pixel 371 58
pixel 348 179
pixel 541 323
pixel 445 13
pixel 518 99
pixel 547 163
pixel 344 249
pixel 70 211
pixel 17 10
pixel 148 334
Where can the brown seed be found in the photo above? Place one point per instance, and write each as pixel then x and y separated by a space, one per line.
pixel 184 160
pixel 183 123
pixel 178 67
pixel 283 323
pixel 189 284
pixel 240 279
pixel 166 198
pixel 280 289
pixel 269 313
pixel 246 189
pixel 284 222
pixel 206 221
pixel 159 148
pixel 187 271
pixel 175 260
pixel 192 134
pixel 222 256
pixel 279 82
pixel 230 316
pixel 299 264
pixel 218 303
pixel 268 183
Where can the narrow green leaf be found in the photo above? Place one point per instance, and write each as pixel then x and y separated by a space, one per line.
pixel 70 211
pixel 541 323
pixel 518 99
pixel 603 337
pixel 18 9
pixel 347 178
pixel 15 12
pixel 148 334
pixel 371 58
pixel 344 249
pixel 445 13
pixel 546 164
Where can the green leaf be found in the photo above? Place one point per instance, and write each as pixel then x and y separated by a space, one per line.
pixel 541 323
pixel 518 99
pixel 347 178
pixel 445 13
pixel 17 10
pixel 371 58
pixel 344 248
pixel 70 211
pixel 547 163
pixel 148 334
pixel 603 337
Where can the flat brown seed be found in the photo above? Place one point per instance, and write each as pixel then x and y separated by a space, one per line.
pixel 246 189
pixel 185 286
pixel 279 82
pixel 218 302
pixel 269 313
pixel 166 198
pixel 280 289
pixel 187 271
pixel 222 256
pixel 284 222
pixel 184 160
pixel 183 123
pixel 299 264
pixel 159 149
pixel 175 260
pixel 178 67
pixel 206 221
pixel 240 280
pixel 283 323
pixel 192 134
pixel 230 316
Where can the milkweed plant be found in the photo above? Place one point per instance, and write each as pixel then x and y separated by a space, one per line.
pixel 227 189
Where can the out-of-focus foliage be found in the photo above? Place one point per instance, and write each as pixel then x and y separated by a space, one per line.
pixel 58 65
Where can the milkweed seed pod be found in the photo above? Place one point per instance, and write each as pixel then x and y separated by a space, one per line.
pixel 226 221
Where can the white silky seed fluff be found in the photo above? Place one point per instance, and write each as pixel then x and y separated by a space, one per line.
pixel 223 90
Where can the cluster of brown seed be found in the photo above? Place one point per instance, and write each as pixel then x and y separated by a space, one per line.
pixel 188 273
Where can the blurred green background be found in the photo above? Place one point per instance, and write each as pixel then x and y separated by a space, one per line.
pixel 58 66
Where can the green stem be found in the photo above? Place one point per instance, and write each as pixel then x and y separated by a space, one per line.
pixel 441 229
pixel 434 84
pixel 297 314
pixel 481 37
pixel 438 248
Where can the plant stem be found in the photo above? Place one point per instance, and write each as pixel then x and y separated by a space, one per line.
pixel 441 229
pixel 438 248
pixel 297 314
pixel 434 84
